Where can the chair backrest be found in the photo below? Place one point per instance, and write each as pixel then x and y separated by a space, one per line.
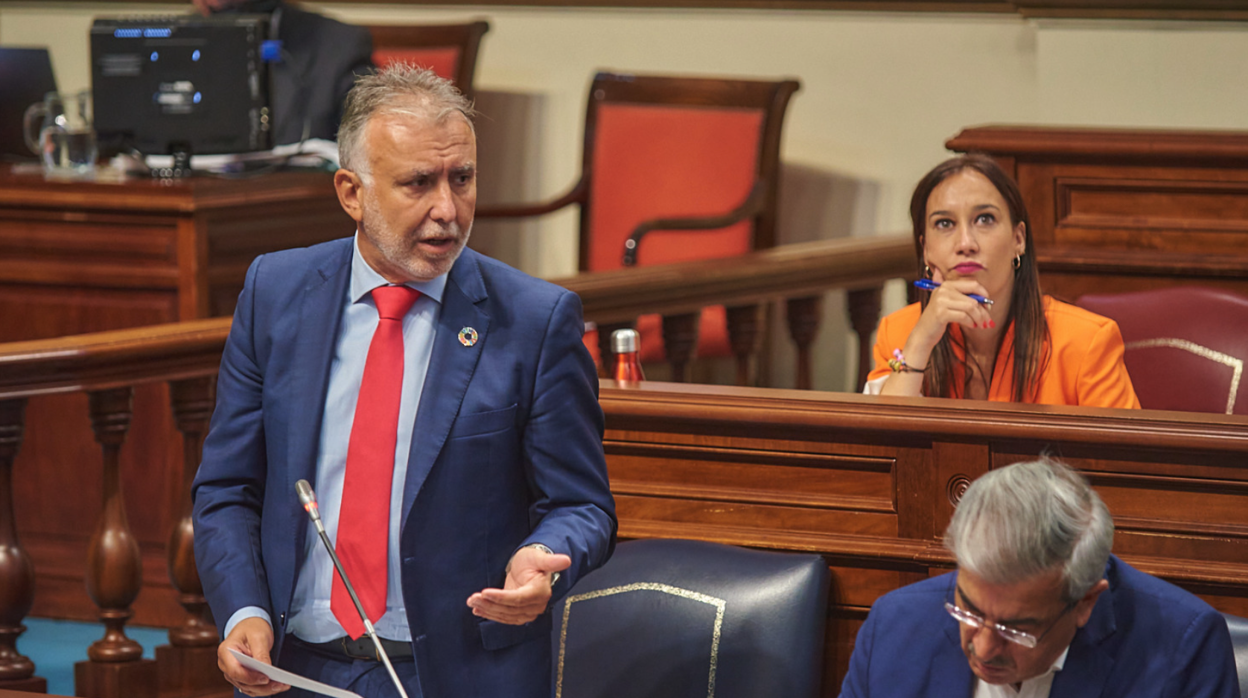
pixel 1185 347
pixel 669 618
pixel 663 147
pixel 1239 640
pixel 450 50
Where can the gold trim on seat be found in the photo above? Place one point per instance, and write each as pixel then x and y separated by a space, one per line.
pixel 1236 365
pixel 719 605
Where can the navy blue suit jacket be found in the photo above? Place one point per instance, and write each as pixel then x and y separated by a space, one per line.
pixel 507 450
pixel 1145 638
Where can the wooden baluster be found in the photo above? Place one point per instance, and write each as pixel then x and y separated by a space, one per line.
pixel 17 574
pixel 115 667
pixel 744 329
pixel 803 316
pixel 606 355
pixel 188 664
pixel 864 315
pixel 680 338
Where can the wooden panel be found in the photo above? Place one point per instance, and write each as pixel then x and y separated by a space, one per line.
pixel 235 237
pixel 85 237
pixel 786 470
pixel 37 311
pixel 91 252
pixel 729 516
pixel 1119 210
pixel 1175 208
pixel 734 475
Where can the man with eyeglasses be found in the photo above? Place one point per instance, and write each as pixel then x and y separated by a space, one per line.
pixel 1038 607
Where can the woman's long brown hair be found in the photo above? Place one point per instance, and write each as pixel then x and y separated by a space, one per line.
pixel 1031 332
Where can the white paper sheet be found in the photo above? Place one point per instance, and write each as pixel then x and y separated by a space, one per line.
pixel 283 676
pixel 312 153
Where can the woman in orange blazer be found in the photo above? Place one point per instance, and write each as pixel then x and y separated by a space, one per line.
pixel 973 240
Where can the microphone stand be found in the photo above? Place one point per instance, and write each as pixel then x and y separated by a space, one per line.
pixel 308 498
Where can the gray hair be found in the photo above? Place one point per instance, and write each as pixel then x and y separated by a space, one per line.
pixel 1029 518
pixel 400 88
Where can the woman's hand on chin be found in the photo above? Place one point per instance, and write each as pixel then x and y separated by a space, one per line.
pixel 951 303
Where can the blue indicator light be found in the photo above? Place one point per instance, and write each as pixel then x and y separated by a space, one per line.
pixel 271 51
pixel 195 55
pixel 162 33
pixel 198 96
pixel 155 56
pixel 128 33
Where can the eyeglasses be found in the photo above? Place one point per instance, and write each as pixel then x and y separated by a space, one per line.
pixel 1018 637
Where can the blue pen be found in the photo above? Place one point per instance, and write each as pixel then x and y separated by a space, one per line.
pixel 929 285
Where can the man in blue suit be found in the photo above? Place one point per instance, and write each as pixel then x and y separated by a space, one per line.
pixel 1038 607
pixel 499 495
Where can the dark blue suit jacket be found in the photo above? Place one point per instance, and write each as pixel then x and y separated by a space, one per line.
pixel 507 450
pixel 1145 638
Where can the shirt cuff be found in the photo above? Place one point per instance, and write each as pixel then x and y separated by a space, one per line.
pixel 243 614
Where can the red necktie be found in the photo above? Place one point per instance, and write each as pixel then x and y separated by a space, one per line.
pixel 364 515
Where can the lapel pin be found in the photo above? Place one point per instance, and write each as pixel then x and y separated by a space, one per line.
pixel 467 336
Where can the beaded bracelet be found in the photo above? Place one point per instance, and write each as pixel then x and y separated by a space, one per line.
pixel 898 364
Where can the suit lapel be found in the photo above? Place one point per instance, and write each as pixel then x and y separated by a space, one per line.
pixel 950 673
pixel 451 366
pixel 1088 665
pixel 317 334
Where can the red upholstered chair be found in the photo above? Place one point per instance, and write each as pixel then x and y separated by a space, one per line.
pixel 1185 347
pixel 675 169
pixel 450 50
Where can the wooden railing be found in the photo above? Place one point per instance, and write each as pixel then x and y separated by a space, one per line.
pixel 108 366
pixel 798 274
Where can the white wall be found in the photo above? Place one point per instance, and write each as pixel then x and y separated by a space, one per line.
pixel 880 92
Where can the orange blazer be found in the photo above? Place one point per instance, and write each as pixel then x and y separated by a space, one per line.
pixel 1084 363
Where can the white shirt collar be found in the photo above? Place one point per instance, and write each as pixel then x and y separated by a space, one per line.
pixel 364 278
pixel 1035 687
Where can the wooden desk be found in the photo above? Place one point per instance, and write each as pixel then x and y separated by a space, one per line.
pixel 1115 210
pixel 870 482
pixel 88 257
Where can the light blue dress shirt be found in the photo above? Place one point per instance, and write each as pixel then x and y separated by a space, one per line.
pixel 311 618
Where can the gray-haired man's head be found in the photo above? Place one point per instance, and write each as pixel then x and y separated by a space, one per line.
pixel 397 89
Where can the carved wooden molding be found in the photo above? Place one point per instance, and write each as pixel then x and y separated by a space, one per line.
pixel 193 349
pixel 780 272
pixel 1230 10
pixel 1206 147
pixel 120 358
pixel 1221 212
pixel 161 196
pixel 664 407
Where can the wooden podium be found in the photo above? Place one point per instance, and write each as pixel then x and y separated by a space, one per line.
pixel 81 257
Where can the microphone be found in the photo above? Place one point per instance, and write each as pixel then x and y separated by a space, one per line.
pixel 308 498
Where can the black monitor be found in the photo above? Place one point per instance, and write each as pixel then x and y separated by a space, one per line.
pixel 25 77
pixel 181 85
